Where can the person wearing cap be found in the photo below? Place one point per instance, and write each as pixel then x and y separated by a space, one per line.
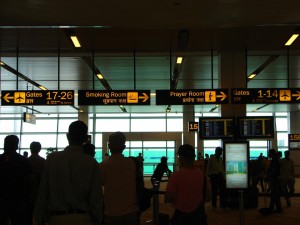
pixel 216 172
pixel 185 189
pixel 118 178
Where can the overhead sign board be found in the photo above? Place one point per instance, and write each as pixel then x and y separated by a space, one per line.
pixel 294 141
pixel 265 95
pixel 47 97
pixel 191 97
pixel 119 97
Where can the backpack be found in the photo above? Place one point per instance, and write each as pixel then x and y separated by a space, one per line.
pixel 144 195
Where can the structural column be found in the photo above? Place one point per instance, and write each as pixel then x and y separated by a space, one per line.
pixel 188 115
pixel 294 128
pixel 84 117
pixel 233 74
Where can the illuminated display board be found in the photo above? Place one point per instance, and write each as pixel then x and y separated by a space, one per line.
pixel 29 118
pixel 119 97
pixel 193 126
pixel 191 97
pixel 216 127
pixel 47 97
pixel 256 127
pixel 294 141
pixel 236 157
pixel 265 95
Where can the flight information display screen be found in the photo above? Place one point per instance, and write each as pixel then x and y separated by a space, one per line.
pixel 216 127
pixel 256 127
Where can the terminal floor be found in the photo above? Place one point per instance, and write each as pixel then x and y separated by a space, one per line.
pixel 229 216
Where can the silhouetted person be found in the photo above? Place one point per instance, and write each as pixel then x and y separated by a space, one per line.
pixel 273 174
pixel 89 149
pixel 118 177
pixel 70 191
pixel 141 161
pixel 185 189
pixel 287 175
pixel 216 172
pixel 15 171
pixel 25 154
pixel 206 161
pixel 160 170
pixel 37 162
pixel 106 155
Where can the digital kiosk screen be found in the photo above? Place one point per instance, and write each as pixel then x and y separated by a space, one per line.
pixel 236 155
pixel 256 127
pixel 216 127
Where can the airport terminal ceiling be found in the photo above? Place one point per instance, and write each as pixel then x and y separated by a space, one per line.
pixel 135 46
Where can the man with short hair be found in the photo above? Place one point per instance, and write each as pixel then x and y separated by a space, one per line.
pixel 287 176
pixel 37 162
pixel 185 189
pixel 15 171
pixel 216 171
pixel 118 177
pixel 70 191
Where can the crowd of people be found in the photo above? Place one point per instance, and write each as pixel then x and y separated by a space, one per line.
pixel 71 187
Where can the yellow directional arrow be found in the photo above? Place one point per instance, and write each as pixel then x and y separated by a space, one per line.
pixel 222 96
pixel 145 97
pixel 297 95
pixel 7 97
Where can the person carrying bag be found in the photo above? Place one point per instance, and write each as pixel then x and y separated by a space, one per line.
pixel 186 190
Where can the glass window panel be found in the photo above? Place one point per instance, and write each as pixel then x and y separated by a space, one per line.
pixel 171 144
pixel 135 151
pixel 153 155
pixel 41 125
pixel 148 144
pixel 254 153
pixel 209 151
pixel 126 152
pixel 282 139
pixel 98 140
pixel 179 115
pixel 69 115
pixel 46 140
pixel 175 124
pixel 281 124
pixel 134 144
pixel 62 141
pixel 98 155
pixel 259 114
pixel 148 125
pixel 212 143
pixel 46 116
pixel 171 155
pixel 7 126
pixel 258 144
pixel 111 125
pixel 281 114
pixel 148 115
pixel 43 153
pixel 103 115
pixel 63 124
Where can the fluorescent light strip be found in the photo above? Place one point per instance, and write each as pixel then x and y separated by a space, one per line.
pixel 251 76
pixel 75 41
pixel 179 60
pixel 100 76
pixel 42 88
pixel 291 40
